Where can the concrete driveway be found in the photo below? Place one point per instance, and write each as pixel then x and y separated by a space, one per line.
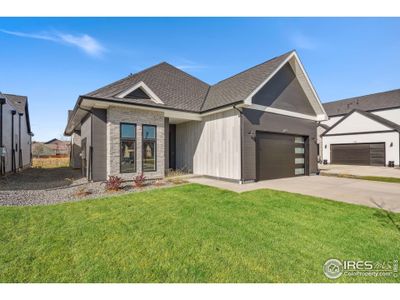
pixel 361 192
pixel 360 170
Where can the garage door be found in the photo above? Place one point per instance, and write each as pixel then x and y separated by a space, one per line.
pixel 372 154
pixel 279 155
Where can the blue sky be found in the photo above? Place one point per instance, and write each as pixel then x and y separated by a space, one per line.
pixel 54 60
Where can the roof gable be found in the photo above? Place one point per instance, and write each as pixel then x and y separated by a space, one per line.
pixel 140 91
pixel 358 121
pixel 137 94
pixel 174 88
pixel 239 87
pixel 283 91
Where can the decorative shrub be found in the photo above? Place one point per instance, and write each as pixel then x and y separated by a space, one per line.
pixel 113 183
pixel 138 181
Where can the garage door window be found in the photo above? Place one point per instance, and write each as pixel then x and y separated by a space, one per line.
pixel 299 156
pixel 299 160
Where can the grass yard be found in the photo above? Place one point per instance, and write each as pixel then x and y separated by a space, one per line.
pixel 192 233
pixel 371 178
pixel 51 162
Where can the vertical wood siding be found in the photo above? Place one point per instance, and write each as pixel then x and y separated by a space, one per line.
pixel 210 147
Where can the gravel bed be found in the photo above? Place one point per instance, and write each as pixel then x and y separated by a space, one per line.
pixel 28 189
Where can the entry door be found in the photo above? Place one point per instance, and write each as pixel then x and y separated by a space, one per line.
pixel 172 146
pixel 279 155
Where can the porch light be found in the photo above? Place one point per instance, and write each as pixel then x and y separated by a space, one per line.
pixel 391 144
pixel 252 134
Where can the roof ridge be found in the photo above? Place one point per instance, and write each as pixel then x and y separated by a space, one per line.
pixel 361 96
pixel 253 67
pixel 14 95
pixel 126 77
pixel 205 98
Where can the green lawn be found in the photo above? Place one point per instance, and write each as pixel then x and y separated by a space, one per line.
pixel 370 178
pixel 192 233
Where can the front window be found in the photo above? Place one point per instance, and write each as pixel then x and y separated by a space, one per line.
pixel 128 148
pixel 149 148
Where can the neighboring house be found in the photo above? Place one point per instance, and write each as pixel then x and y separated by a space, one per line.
pixel 362 130
pixel 39 149
pixel 258 124
pixel 54 147
pixel 15 133
pixel 58 147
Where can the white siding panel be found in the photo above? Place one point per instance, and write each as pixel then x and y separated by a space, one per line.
pixel 332 121
pixel 210 147
pixel 356 122
pixel 389 114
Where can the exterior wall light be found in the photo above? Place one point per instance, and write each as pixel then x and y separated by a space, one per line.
pixel 252 134
pixel 391 144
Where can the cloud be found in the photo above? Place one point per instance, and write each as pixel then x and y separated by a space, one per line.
pixel 83 42
pixel 301 41
pixel 190 67
pixel 185 64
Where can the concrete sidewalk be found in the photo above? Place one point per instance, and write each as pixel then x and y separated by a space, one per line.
pixel 361 192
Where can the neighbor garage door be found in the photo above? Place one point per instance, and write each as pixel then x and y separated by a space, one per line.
pixel 358 154
pixel 279 155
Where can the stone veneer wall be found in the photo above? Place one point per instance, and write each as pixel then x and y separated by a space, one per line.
pixel 115 116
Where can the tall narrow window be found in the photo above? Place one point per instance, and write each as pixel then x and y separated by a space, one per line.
pixel 149 148
pixel 128 148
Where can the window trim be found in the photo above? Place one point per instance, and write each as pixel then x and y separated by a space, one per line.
pixel 155 147
pixel 120 149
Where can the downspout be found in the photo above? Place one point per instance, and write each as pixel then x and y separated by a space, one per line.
pixel 13 166
pixel 20 164
pixel 241 143
pixel 2 158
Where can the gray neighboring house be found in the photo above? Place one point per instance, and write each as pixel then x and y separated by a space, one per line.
pixel 362 130
pixel 15 134
pixel 256 125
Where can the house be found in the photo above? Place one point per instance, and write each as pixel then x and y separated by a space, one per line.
pixel 52 148
pixel 15 134
pixel 362 130
pixel 258 124
pixel 58 147
pixel 39 149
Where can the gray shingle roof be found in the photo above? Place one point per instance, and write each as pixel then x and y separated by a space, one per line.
pixel 371 102
pixel 177 89
pixel 240 86
pixel 181 91
pixel 19 102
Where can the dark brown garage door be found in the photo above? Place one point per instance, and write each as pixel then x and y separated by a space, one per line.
pixel 280 155
pixel 358 154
